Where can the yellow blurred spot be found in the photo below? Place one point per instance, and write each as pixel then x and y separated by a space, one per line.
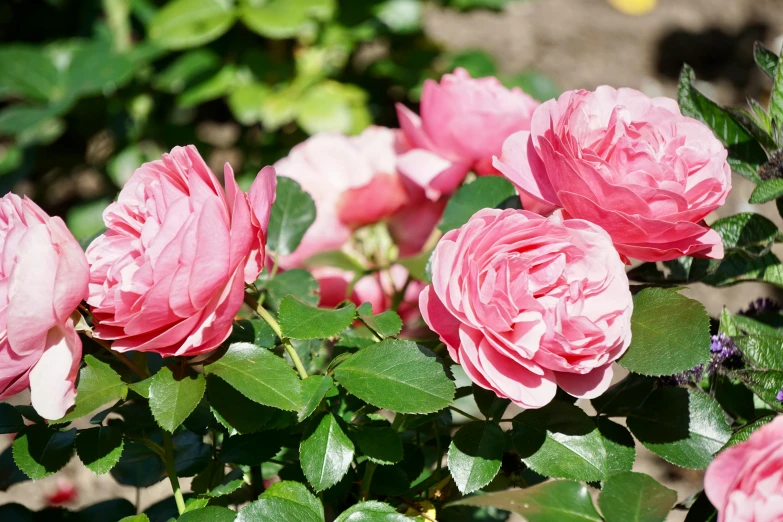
pixel 634 7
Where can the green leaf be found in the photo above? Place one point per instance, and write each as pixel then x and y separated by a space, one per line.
pixel 764 352
pixel 739 142
pixel 253 331
pixel 561 441
pixel 765 59
pixel 100 448
pixel 251 450
pixel 478 63
pixel 10 473
pixel 331 106
pixel 767 191
pixel 684 427
pixel 314 389
pixel 484 192
pixel 554 501
pixel 489 404
pixel 397 375
pixel 635 497
pixel 40 451
pixel 765 384
pixel 752 234
pixel 29 72
pixel 702 510
pixel 19 119
pixel 371 511
pixel 292 214
pixel 10 420
pixel 401 16
pixel 625 396
pixel 191 23
pixel 95 69
pixel 85 221
pixel 279 19
pixel 299 320
pixel 173 398
pixel 297 282
pixel 235 411
pixel 284 501
pixel 246 102
pixel 670 333
pixel 215 87
pixel 744 433
pixel 474 455
pixel 259 375
pixel 98 385
pixel 229 485
pixel 380 444
pixel 385 324
pixel 136 518
pixel 325 453
pixel 534 83
pixel 209 514
pixel 186 68
pixel 776 98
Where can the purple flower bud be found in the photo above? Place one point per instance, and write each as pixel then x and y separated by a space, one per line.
pixel 779 396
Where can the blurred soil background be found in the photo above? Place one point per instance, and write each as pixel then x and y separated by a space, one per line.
pixel 579 44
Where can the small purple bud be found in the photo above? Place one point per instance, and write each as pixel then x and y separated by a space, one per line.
pixel 779 396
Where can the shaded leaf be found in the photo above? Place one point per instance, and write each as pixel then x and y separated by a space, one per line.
pixel 475 454
pixel 40 451
pixel 635 497
pixel 98 385
pixel 292 214
pixel 484 192
pixel 100 448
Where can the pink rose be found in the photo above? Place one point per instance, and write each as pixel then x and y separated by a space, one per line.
pixel 412 225
pixel 353 181
pixel 168 275
pixel 43 278
pixel 463 123
pixel 526 304
pixel 633 165
pixel 745 482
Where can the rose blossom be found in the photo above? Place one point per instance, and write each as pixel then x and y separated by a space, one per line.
pixel 168 275
pixel 745 482
pixel 43 278
pixel 353 181
pixel 633 165
pixel 463 123
pixel 526 303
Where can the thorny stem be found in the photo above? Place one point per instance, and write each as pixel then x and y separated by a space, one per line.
pixel 272 322
pixel 172 472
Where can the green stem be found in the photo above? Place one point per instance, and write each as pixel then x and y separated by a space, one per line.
pixel 273 324
pixel 369 470
pixel 172 472
pixel 464 413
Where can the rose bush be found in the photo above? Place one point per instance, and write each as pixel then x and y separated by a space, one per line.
pixel 43 278
pixel 524 316
pixel 168 274
pixel 633 165
pixel 445 143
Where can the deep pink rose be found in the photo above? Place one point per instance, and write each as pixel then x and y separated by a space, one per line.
pixel 353 181
pixel 168 275
pixel 463 123
pixel 526 303
pixel 633 165
pixel 745 482
pixel 43 278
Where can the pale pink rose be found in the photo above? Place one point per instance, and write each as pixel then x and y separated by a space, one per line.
pixel 633 165
pixel 43 278
pixel 353 181
pixel 526 303
pixel 168 275
pixel 745 482
pixel 463 123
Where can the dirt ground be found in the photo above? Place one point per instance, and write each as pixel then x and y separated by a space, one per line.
pixel 580 44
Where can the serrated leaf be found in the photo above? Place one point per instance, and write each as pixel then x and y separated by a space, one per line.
pixel 325 453
pixel 10 420
pixel 10 473
pixel 253 331
pixel 284 501
pixel 739 142
pixel 259 375
pixel 776 98
pixel 765 59
pixel 371 511
pixel 684 427
pixel 235 411
pixel 292 214
pixel 561 441
pixel 173 398
pixel 752 234
pixel 297 282
pixel 475 454
pixel 251 450
pixel 314 389
pixel 554 501
pixel 29 72
pixel 209 514
pixel 397 375
pixel 744 433
pixel 299 320
pixel 766 191
pixel 484 192
pixel 98 385
pixel 670 333
pixel 765 384
pixel 764 352
pixel 100 449
pixel 380 444
pixel 190 23
pixel 635 497
pixel 489 404
pixel 625 396
pixel 40 451
pixel 385 324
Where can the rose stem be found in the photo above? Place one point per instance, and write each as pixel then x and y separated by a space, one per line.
pixel 172 472
pixel 266 316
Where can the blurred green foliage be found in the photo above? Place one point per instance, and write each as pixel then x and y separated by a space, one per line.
pixel 90 89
